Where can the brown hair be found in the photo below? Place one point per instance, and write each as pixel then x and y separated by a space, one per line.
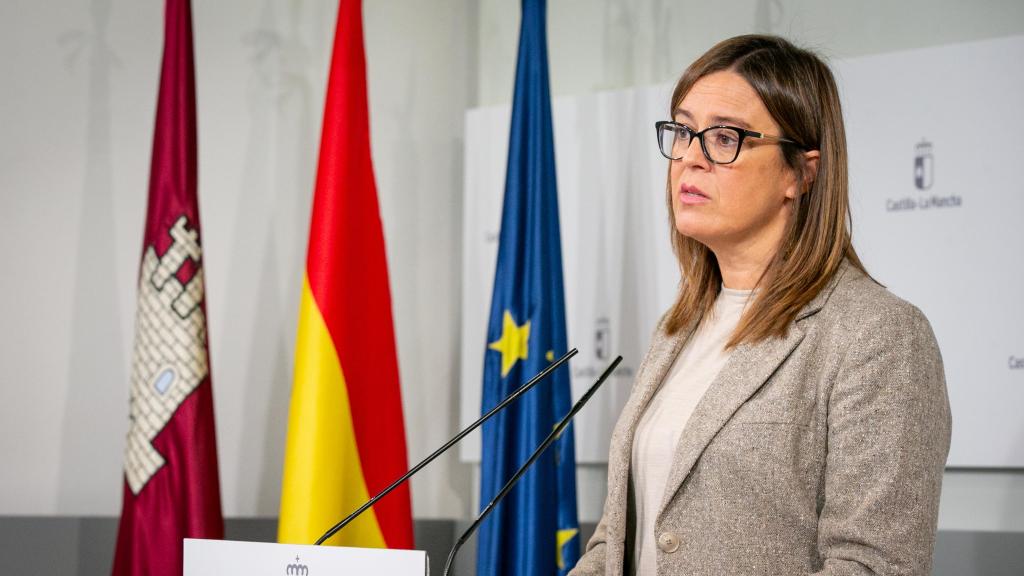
pixel 798 90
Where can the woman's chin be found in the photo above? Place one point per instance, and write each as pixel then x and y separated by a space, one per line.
pixel 695 230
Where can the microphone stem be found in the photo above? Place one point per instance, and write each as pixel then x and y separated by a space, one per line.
pixel 512 397
pixel 555 433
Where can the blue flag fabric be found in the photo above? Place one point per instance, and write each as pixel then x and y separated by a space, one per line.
pixel 535 530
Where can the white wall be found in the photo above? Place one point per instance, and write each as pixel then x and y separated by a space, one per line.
pixel 608 44
pixel 76 110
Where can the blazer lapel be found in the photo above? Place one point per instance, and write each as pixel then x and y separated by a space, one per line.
pixel 746 371
pixel 663 355
pixel 659 359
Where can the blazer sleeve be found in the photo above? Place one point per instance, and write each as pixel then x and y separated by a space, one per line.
pixel 888 438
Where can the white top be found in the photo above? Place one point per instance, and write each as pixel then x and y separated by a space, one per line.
pixel 657 434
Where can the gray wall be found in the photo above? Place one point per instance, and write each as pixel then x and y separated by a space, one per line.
pixel 77 110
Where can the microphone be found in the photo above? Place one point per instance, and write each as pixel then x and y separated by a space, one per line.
pixel 555 433
pixel 511 398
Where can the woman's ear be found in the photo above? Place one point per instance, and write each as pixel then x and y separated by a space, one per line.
pixel 811 161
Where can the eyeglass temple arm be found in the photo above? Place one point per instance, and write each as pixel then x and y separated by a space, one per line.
pixel 762 136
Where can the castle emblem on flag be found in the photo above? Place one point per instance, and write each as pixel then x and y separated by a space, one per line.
pixel 170 353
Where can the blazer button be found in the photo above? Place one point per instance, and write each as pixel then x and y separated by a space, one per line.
pixel 668 542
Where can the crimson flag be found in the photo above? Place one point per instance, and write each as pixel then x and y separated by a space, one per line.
pixel 171 485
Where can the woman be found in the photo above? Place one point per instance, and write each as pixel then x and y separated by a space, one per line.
pixel 791 414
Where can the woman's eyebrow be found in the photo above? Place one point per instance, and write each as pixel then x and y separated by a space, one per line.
pixel 715 120
pixel 731 121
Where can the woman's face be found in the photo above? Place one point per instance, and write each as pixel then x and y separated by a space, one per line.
pixel 743 205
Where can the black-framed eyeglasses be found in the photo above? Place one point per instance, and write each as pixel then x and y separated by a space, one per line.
pixel 721 144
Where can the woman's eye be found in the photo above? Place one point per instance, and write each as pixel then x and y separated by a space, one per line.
pixel 725 139
pixel 683 134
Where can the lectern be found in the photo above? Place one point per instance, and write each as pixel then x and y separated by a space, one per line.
pixel 230 558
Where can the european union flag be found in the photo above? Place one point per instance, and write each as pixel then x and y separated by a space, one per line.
pixel 535 530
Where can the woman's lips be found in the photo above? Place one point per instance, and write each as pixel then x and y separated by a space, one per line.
pixel 692 195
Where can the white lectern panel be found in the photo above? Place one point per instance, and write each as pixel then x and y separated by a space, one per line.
pixel 230 558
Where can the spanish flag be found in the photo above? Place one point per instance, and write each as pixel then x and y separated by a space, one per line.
pixel 346 437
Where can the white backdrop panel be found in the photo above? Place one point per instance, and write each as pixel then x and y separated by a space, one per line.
pixel 953 246
pixel 935 222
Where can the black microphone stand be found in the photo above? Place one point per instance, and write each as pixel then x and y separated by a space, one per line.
pixel 555 433
pixel 512 397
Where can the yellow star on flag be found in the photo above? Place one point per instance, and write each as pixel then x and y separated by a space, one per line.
pixel 513 344
pixel 561 537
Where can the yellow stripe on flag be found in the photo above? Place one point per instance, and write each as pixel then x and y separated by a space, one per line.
pixel 323 477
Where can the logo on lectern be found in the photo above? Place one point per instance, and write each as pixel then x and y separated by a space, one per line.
pixel 297 569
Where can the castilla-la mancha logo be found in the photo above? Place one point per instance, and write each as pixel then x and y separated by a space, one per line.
pixel 602 339
pixel 924 165
pixel 924 178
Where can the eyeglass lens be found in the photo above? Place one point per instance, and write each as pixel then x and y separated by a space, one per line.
pixel 721 145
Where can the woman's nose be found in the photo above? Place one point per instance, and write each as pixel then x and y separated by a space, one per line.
pixel 694 155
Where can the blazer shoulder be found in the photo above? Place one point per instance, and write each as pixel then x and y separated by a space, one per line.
pixel 859 303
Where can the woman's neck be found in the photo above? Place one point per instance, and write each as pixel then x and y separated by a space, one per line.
pixel 742 266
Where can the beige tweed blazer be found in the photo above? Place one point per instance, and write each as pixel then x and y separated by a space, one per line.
pixel 821 452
